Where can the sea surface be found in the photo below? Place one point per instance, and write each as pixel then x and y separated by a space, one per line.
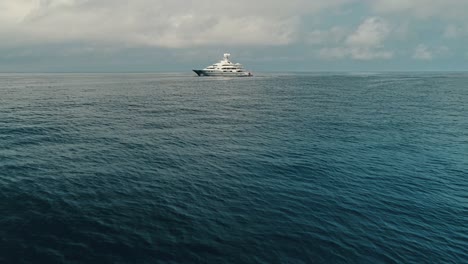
pixel 278 168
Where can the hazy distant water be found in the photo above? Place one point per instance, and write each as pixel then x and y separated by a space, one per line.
pixel 290 168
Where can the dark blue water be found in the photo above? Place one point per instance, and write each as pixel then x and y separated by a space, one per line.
pixel 293 168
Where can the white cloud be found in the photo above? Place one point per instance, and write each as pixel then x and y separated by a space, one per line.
pixel 371 33
pixel 423 52
pixel 365 43
pixel 14 11
pixel 167 23
pixel 369 54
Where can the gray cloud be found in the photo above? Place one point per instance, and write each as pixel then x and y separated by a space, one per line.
pixel 366 42
pixel 423 9
pixel 162 23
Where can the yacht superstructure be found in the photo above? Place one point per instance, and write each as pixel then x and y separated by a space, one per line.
pixel 224 68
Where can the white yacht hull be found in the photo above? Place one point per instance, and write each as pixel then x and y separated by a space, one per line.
pixel 222 74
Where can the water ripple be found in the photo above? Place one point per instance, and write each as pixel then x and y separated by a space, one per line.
pixel 294 168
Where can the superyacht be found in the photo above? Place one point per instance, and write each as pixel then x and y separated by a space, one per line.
pixel 224 68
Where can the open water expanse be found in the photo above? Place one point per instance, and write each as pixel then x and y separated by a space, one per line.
pixel 278 168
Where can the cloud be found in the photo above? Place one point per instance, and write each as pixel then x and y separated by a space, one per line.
pixel 453 32
pixel 364 43
pixel 368 54
pixel 163 23
pixel 333 53
pixel 371 33
pixel 354 53
pixel 423 52
pixel 13 12
pixel 334 35
pixel 422 9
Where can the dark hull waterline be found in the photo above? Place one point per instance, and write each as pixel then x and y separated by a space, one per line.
pixel 222 74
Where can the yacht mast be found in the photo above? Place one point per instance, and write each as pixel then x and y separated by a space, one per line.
pixel 226 57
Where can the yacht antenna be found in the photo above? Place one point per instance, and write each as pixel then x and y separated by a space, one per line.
pixel 226 56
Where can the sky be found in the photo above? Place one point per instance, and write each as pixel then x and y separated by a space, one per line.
pixel 273 35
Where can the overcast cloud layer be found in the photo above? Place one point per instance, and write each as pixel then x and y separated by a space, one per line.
pixel 147 35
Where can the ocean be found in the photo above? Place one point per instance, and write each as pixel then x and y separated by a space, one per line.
pixel 278 168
